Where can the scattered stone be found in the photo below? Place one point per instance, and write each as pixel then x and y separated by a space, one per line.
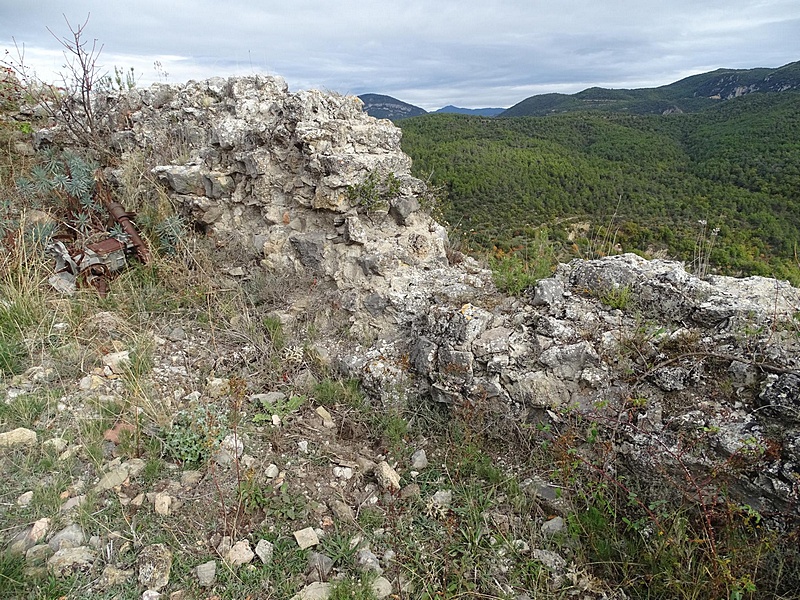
pixel 162 503
pixel 343 472
pixel 116 477
pixel 206 573
pixel 117 361
pixel 217 387
pixel 224 546
pixel 191 478
pixel 419 460
pixel 113 576
pixel 71 536
pixel 240 554
pixel 367 561
pixel 303 446
pixel 25 499
pixel 550 559
pixel 342 511
pixel 70 561
pixel 19 437
pixel 306 538
pixel 265 550
pixel 443 498
pixel 554 526
pixel 151 595
pixel 72 503
pixel 154 565
pixel 381 587
pixel 327 419
pixel 90 383
pixel 56 445
pixel 37 555
pixel 412 490
pixel 315 591
pixel 387 477
pixel 319 567
pixel 272 471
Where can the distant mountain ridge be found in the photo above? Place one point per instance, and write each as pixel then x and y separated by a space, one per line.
pixel 479 112
pixel 691 94
pixel 386 107
pixel 381 106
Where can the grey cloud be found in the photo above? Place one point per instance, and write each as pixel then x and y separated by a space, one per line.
pixel 466 52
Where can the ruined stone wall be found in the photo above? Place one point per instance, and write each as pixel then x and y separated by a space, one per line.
pixel 659 359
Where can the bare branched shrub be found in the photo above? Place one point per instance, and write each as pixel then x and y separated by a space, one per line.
pixel 72 104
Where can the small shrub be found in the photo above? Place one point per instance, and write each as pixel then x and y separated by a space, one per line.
pixel 347 589
pixel 374 193
pixel 517 270
pixel 275 332
pixel 617 298
pixel 279 407
pixel 195 435
pixel 330 392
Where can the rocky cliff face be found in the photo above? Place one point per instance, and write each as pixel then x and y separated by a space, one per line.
pixel 683 378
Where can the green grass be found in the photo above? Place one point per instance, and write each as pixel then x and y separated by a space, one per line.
pixel 519 269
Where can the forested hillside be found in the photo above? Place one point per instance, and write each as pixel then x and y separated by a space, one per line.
pixel 691 94
pixel 602 182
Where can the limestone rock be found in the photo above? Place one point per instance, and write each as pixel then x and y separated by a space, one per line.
pixel 19 437
pixel 381 587
pixel 367 561
pixel 38 555
pixel 315 591
pixel 553 526
pixel 265 550
pixel 71 560
pixel 419 460
pixel 113 576
pixel 154 564
pixel 206 573
pixel 306 538
pixel 387 477
pixel 240 554
pixel 71 536
pixel 781 398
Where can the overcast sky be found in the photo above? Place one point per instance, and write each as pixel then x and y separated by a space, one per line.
pixel 465 52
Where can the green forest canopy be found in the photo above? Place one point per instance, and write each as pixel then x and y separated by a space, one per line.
pixel 642 182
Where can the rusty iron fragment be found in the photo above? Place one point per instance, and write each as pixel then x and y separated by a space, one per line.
pixel 121 216
pixel 95 264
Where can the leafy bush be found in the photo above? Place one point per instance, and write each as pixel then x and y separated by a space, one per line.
pixel 195 435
